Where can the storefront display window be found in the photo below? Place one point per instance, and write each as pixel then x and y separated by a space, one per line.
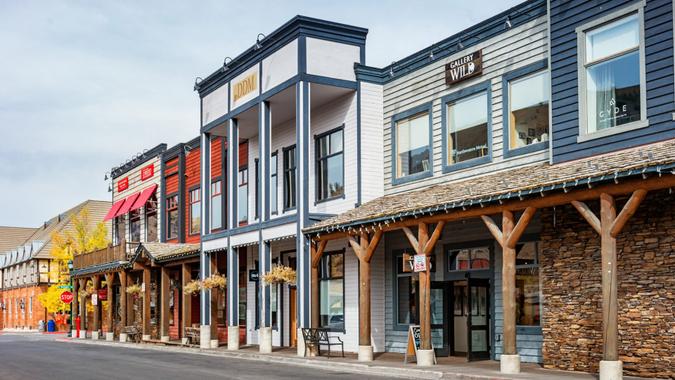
pixel 527 284
pixel 412 145
pixel 469 259
pixel 331 291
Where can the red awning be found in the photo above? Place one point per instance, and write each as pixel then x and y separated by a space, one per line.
pixel 145 195
pixel 128 202
pixel 113 210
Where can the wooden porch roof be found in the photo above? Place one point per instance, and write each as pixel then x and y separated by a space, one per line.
pixel 163 252
pixel 540 179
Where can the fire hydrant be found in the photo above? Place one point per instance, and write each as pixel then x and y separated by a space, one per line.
pixel 77 326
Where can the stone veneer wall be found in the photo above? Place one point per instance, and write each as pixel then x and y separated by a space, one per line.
pixel 570 279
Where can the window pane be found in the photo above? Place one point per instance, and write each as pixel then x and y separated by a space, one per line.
pixel 216 212
pixel 173 224
pixel 526 254
pixel 195 217
pixel 613 92
pixel 468 133
pixel 527 296
pixel 332 304
pixel 274 194
pixel 336 142
pixel 528 103
pixel 407 300
pixel 480 258
pixel 337 265
pixel 323 146
pixel 151 227
pixel 613 38
pixel 412 145
pixel 243 203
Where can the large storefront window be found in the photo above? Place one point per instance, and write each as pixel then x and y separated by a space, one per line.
pixel 135 226
pixel 527 284
pixel 172 217
pixel 412 145
pixel 330 165
pixel 469 259
pixel 151 219
pixel 195 211
pixel 612 70
pixel 528 110
pixel 331 288
pixel 467 129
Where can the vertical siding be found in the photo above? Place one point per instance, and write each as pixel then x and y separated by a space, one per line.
pixel 568 15
pixel 515 48
pixel 372 144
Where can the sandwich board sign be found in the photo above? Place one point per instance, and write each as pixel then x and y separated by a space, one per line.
pixel 414 342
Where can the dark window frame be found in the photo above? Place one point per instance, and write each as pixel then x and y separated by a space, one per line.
pixel 328 255
pixel 319 159
pixel 171 207
pixel 286 171
pixel 191 201
pixel 424 108
pixel 149 212
pixel 274 173
pixel 241 184
pixel 212 195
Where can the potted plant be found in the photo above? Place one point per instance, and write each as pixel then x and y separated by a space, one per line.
pixel 280 274
pixel 215 282
pixel 192 287
pixel 134 290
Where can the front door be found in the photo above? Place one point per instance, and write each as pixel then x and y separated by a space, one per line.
pixel 292 315
pixel 439 320
pixel 478 320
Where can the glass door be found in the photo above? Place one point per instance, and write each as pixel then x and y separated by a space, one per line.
pixel 478 320
pixel 439 321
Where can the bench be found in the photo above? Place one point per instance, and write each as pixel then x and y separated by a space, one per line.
pixel 192 335
pixel 319 337
pixel 133 333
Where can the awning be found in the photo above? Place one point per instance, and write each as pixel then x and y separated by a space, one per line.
pixel 113 210
pixel 128 202
pixel 145 195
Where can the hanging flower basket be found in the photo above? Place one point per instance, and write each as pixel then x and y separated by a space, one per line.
pixel 134 290
pixel 280 274
pixel 215 281
pixel 192 287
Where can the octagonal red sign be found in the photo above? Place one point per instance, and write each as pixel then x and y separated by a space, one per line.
pixel 67 297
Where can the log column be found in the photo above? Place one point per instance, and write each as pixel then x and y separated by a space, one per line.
pixel 96 325
pixel 316 251
pixel 187 301
pixel 83 308
pixel 164 310
pixel 76 308
pixel 131 302
pixel 123 303
pixel 110 326
pixel 507 238
pixel 608 227
pixel 146 304
pixel 213 262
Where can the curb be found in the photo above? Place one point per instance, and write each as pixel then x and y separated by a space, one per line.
pixel 359 368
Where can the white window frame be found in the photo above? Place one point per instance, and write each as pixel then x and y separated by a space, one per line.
pixel 581 31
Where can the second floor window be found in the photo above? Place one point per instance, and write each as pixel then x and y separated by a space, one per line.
pixel 611 90
pixel 151 219
pixel 118 230
pixel 528 110
pixel 412 145
pixel 216 205
pixel 172 217
pixel 330 165
pixel 195 211
pixel 274 185
pixel 467 129
pixel 135 226
pixel 243 196
pixel 289 177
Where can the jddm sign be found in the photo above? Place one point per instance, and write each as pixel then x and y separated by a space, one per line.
pixel 464 67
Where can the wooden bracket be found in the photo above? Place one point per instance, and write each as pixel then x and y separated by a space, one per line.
pixel 620 221
pixel 411 238
pixel 510 240
pixel 317 252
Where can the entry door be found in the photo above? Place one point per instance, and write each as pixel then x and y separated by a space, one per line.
pixel 293 325
pixel 478 320
pixel 439 320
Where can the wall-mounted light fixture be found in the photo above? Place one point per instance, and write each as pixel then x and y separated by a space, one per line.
pixel 508 23
pixel 257 45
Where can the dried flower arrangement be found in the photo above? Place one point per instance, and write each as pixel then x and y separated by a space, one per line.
pixel 192 287
pixel 280 274
pixel 215 281
pixel 134 290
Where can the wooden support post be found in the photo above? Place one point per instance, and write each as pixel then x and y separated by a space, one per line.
pixel 165 297
pixel 213 259
pixel 608 226
pixel 425 291
pixel 146 302
pixel 131 304
pixel 187 299
pixel 76 303
pixel 109 279
pixel 123 298
pixel 316 253
pixel 96 326
pixel 83 305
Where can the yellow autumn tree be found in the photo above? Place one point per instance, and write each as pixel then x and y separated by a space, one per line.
pixel 80 238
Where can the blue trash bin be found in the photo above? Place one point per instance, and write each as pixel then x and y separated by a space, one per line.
pixel 51 326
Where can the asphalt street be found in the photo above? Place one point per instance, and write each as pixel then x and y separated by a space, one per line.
pixel 37 357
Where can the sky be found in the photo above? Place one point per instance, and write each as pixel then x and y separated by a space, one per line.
pixel 85 85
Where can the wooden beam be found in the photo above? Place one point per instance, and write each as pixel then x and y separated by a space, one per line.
pixel 186 277
pixel 588 214
pixel 428 248
pixel 356 246
pixel 146 301
pixel 123 298
pixel 412 239
pixel 318 252
pixel 76 304
pixel 164 302
pixel 425 291
pixel 109 279
pixel 627 212
pixel 493 228
pixel 609 279
pixel 364 291
pixel 508 287
pixel 96 280
pixel 520 227
pixel 373 244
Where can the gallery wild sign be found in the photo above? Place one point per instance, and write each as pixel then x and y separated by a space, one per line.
pixel 464 67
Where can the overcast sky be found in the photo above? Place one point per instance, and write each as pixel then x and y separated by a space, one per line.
pixel 84 85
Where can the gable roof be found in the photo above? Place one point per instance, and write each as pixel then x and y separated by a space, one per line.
pixel 12 237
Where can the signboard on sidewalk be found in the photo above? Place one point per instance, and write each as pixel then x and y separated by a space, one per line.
pixel 67 297
pixel 414 343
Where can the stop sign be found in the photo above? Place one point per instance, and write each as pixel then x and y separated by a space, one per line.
pixel 67 297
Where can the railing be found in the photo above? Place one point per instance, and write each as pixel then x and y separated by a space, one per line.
pixel 111 253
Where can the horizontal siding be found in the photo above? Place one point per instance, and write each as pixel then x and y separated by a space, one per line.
pixel 568 15
pixel 192 179
pixel 503 53
pixel 372 160
pixel 217 156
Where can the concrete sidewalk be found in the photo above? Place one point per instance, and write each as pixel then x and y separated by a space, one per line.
pixel 383 364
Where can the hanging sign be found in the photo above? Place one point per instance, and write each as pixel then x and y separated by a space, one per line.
pixel 94 299
pixel 253 275
pixel 122 184
pixel 420 263
pixel 464 67
pixel 67 297
pixel 103 294
pixel 407 263
pixel 414 343
pixel 147 172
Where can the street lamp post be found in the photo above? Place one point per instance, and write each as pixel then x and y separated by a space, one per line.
pixel 70 319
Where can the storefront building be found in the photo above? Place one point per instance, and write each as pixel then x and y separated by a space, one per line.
pixel 27 270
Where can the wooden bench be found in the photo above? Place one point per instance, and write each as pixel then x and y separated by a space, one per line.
pixel 319 337
pixel 133 332
pixel 192 334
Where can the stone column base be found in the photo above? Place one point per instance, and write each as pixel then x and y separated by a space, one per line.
pixel 109 337
pixel 214 343
pixel 94 335
pixel 232 338
pixel 509 364
pixel 365 353
pixel 185 341
pixel 205 336
pixel 146 337
pixel 611 370
pixel 165 339
pixel 265 339
pixel 123 337
pixel 425 358
pixel 73 334
pixel 300 343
